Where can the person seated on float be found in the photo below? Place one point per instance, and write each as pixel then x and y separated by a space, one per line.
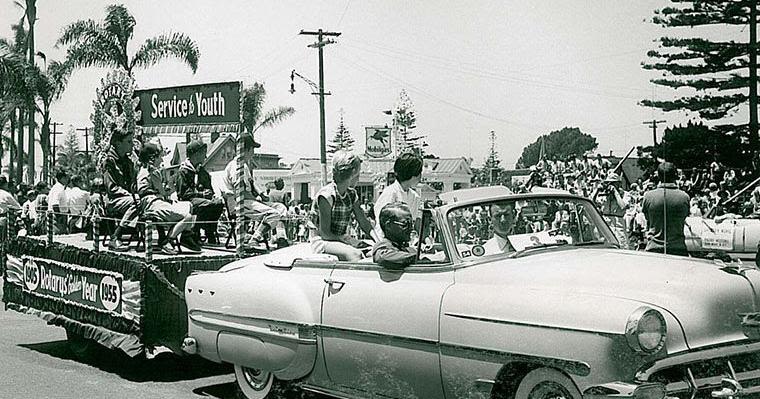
pixel 119 179
pixel 503 221
pixel 8 203
pixel 253 208
pixel 58 202
pixel 29 209
pixel 394 251
pixel 154 205
pixel 96 205
pixel 335 205
pixel 408 171
pixel 194 184
pixel 78 199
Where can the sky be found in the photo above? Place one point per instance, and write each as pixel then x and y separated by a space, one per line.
pixel 519 68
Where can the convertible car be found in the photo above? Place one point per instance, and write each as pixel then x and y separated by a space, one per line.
pixel 522 296
pixel 736 236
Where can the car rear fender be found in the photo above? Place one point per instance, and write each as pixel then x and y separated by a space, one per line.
pixel 258 317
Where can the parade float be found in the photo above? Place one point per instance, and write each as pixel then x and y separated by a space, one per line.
pixel 129 301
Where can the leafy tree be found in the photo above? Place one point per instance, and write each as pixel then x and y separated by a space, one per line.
pixel 711 78
pixel 74 161
pixel 559 144
pixel 104 44
pixel 696 145
pixel 404 118
pixel 342 139
pixel 253 103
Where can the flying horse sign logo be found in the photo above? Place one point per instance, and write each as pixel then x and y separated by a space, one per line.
pixel 378 141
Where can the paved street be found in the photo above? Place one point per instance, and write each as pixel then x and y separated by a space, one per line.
pixel 35 362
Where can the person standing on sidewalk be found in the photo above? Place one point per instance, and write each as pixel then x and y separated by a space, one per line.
pixel 666 209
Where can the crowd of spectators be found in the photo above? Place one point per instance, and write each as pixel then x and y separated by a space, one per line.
pixel 75 201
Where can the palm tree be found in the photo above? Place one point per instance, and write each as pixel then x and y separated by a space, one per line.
pixel 49 86
pixel 17 88
pixel 104 44
pixel 253 102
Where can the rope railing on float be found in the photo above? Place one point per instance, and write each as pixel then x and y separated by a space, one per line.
pixel 147 226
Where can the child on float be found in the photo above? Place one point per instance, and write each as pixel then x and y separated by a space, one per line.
pixel 335 205
pixel 154 204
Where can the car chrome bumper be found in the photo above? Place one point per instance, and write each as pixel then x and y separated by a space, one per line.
pixel 720 372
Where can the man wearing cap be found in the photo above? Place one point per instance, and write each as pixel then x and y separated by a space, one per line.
pixel 666 209
pixel 194 185
pixel 270 216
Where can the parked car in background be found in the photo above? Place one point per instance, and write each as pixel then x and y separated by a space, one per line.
pixel 554 309
pixel 733 229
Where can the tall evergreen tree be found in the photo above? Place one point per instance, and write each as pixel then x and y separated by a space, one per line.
pixel 712 78
pixel 342 139
pixel 490 173
pixel 405 120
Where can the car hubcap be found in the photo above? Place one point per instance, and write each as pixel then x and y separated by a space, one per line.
pixel 256 379
pixel 549 390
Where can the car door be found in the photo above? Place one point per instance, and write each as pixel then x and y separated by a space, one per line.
pixel 380 328
pixel 747 236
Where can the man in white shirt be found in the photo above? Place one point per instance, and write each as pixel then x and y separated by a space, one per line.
pixel 408 171
pixel 77 201
pixel 503 221
pixel 7 202
pixel 270 216
pixel 58 203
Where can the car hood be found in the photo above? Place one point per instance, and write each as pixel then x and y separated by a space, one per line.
pixel 701 297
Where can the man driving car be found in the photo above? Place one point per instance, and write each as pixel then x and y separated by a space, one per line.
pixel 503 222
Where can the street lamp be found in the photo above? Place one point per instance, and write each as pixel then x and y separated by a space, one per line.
pixel 316 92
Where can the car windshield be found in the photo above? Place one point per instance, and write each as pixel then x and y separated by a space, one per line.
pixel 513 225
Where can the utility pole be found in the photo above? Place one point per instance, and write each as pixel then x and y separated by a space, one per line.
pixel 31 19
pixel 86 131
pixel 51 165
pixel 319 44
pixel 491 157
pixel 653 124
pixel 753 138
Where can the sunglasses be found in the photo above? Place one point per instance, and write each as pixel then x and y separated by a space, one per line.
pixel 406 224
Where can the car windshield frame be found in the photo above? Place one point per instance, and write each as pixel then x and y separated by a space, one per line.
pixel 593 214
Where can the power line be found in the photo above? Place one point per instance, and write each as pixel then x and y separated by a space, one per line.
pixel 438 99
pixel 475 69
pixel 524 81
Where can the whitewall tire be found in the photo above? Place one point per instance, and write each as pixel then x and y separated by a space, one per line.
pixel 253 383
pixel 547 383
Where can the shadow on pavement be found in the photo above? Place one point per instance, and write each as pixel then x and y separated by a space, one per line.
pixel 220 391
pixel 166 367
pixel 229 391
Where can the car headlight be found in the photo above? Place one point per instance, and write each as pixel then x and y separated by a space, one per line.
pixel 646 330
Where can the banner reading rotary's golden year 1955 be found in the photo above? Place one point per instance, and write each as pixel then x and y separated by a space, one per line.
pixel 85 286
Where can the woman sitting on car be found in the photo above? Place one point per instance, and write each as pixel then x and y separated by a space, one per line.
pixel 333 208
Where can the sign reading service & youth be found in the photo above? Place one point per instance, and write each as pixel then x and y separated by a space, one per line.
pixel 211 103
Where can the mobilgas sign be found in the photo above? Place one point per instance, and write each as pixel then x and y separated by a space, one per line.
pixel 190 105
pixel 85 286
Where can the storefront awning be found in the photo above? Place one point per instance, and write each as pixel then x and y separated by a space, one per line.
pixel 183 129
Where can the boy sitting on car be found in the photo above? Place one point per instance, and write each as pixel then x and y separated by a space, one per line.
pixel 393 251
